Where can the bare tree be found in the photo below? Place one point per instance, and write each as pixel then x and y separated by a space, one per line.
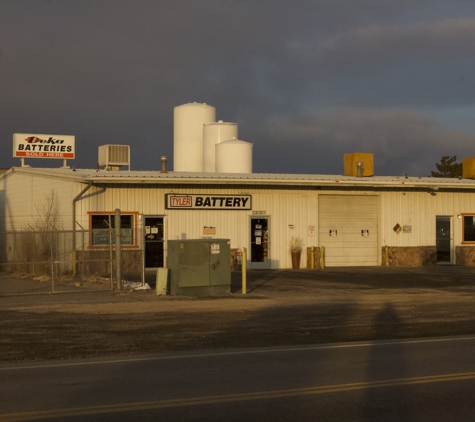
pixel 45 225
pixel 47 213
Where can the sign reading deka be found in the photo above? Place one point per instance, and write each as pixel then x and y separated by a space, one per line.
pixel 208 202
pixel 27 145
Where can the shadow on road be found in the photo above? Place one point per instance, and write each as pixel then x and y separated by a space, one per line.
pixel 375 407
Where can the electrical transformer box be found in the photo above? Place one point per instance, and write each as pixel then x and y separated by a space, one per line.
pixel 199 267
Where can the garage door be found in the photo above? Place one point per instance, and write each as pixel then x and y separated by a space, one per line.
pixel 348 229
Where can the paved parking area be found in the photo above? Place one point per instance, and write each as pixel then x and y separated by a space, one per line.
pixel 271 283
pixel 284 307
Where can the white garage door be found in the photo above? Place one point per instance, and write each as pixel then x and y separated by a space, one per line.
pixel 348 229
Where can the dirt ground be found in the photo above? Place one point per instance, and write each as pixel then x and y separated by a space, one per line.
pixel 282 307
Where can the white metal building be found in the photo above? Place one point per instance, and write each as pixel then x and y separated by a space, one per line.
pixel 361 221
pixel 357 219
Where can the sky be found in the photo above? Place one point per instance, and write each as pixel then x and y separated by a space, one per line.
pixel 307 81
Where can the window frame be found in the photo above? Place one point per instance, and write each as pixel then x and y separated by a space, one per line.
pixel 463 215
pixel 134 215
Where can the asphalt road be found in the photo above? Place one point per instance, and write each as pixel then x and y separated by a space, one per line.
pixel 394 380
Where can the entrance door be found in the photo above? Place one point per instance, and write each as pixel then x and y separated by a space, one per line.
pixel 260 243
pixel 443 237
pixel 154 242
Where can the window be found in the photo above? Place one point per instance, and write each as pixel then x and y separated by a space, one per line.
pixel 468 221
pixel 101 225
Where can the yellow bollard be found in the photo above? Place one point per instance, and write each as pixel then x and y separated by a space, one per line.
pixel 312 258
pixel 244 271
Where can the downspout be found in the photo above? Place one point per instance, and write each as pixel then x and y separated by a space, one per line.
pixel 76 198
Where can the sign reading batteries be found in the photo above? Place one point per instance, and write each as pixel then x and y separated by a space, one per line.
pixel 208 202
pixel 43 146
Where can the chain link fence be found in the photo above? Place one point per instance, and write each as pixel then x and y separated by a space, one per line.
pixel 58 261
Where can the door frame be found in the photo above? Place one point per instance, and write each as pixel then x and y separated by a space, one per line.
pixel 451 244
pixel 259 265
pixel 144 217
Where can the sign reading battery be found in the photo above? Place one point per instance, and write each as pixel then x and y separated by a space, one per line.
pixel 208 202
pixel 27 145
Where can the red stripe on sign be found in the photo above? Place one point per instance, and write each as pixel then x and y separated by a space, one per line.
pixel 43 154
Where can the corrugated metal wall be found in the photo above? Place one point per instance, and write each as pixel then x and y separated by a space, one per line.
pixel 418 210
pixel 286 208
pixel 24 198
pixel 291 211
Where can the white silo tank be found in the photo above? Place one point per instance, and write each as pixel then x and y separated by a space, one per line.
pixel 188 121
pixel 234 156
pixel 215 133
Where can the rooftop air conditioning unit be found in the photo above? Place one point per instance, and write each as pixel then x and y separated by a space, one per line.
pixel 114 156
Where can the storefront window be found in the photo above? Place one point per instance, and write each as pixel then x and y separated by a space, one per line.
pixel 469 228
pixel 101 225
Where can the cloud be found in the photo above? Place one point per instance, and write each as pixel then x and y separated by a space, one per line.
pixel 420 64
pixel 402 141
pixel 331 76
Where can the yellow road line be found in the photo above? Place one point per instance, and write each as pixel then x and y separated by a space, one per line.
pixel 229 398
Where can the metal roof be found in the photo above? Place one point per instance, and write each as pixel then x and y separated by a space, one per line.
pixel 267 179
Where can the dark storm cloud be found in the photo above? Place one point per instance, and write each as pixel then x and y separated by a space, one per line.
pixel 401 141
pixel 405 65
pixel 112 71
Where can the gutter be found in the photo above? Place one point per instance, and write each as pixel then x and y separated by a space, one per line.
pixel 76 198
pixel 285 182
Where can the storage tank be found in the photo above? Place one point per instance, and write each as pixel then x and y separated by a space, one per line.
pixel 234 156
pixel 188 121
pixel 214 133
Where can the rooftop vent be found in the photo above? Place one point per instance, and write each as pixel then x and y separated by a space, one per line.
pixel 114 156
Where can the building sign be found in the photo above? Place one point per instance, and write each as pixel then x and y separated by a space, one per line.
pixel 311 230
pixel 209 231
pixel 103 237
pixel 208 202
pixel 397 228
pixel 27 145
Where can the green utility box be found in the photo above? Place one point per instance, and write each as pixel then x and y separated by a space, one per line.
pixel 199 267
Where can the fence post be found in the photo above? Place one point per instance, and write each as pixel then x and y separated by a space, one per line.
pixel 111 254
pixel 14 251
pixel 52 263
pixel 118 246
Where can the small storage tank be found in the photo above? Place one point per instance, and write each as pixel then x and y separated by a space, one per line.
pixel 215 133
pixel 234 156
pixel 188 121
